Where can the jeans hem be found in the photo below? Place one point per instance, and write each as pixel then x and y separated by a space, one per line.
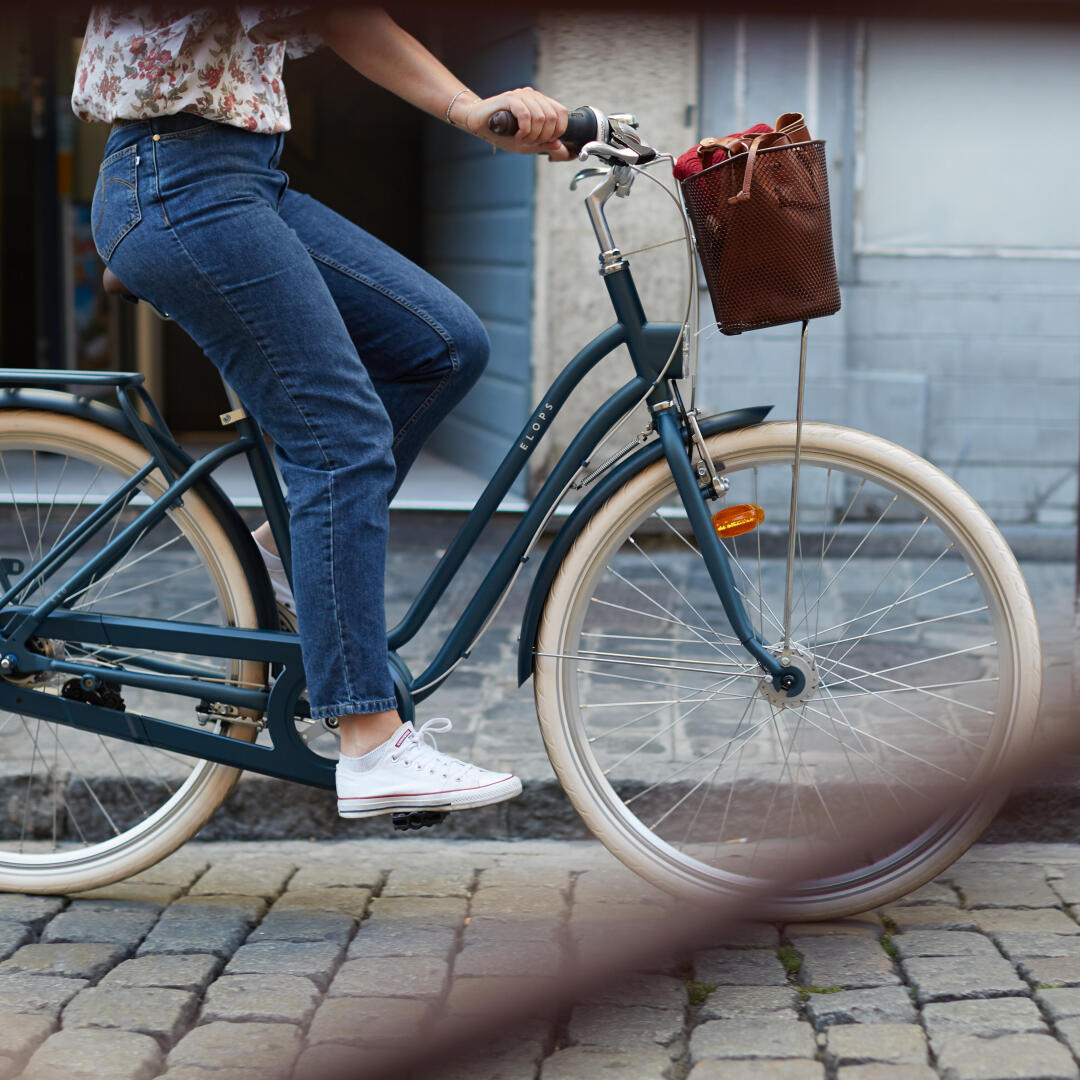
pixel 345 708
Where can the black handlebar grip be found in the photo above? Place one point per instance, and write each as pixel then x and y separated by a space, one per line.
pixel 580 127
pixel 504 122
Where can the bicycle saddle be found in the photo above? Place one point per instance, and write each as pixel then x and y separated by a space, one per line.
pixel 116 287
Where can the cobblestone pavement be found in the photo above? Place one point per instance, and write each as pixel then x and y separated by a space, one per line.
pixel 495 719
pixel 237 962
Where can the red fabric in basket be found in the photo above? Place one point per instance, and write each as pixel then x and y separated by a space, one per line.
pixel 694 162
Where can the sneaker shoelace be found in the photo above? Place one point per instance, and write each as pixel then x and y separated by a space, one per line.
pixel 422 752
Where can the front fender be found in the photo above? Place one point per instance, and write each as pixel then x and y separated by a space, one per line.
pixel 712 425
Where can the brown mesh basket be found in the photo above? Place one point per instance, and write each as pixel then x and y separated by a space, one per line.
pixel 768 258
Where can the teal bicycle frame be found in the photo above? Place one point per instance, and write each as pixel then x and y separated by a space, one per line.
pixel 655 352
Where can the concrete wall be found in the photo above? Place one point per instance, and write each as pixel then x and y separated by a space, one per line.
pixel 642 64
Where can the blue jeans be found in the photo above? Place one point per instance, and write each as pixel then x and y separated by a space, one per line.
pixel 346 354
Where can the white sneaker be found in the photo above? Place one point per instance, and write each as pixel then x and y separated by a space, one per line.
pixel 413 775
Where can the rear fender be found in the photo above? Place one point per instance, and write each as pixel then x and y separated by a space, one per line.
pixel 60 401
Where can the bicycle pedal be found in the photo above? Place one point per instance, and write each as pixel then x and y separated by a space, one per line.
pixel 417 819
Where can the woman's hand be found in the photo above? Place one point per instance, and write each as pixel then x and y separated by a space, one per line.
pixel 540 121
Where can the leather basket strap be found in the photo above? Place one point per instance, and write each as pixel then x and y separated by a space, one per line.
pixel 707 148
pixel 793 125
pixel 751 157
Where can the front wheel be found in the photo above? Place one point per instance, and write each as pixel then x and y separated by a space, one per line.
pixel 910 620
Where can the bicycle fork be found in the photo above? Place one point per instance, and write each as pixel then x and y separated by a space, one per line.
pixel 788 680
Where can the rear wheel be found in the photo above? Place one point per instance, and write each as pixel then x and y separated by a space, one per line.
pixel 79 810
pixel 911 622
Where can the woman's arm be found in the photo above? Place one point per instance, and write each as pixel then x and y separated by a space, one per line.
pixel 371 42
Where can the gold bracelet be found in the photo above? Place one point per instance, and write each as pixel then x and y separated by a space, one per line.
pixel 463 90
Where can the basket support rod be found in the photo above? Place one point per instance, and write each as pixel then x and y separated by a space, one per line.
pixel 785 656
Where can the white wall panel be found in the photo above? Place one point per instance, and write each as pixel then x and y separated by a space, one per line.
pixel 970 135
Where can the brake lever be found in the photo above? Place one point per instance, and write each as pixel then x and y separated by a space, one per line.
pixel 584 174
pixel 606 150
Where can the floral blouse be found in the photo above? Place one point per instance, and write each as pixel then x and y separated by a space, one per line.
pixel 221 63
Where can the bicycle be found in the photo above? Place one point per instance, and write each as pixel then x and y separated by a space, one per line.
pixel 703 729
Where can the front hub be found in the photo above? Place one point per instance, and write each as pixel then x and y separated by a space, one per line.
pixel 797 683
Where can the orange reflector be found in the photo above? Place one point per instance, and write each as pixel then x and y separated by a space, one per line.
pixel 736 520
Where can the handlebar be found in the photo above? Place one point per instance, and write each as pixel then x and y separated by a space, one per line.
pixel 582 126
pixel 613 139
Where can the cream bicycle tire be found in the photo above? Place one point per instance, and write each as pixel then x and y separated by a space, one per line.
pixel 564 679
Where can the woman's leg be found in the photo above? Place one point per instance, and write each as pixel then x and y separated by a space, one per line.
pixel 212 250
pixel 422 345
pixel 192 220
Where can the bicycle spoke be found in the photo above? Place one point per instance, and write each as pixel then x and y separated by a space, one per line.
pixel 609 658
pixel 643 637
pixel 122 774
pixel 30 778
pixel 658 618
pixel 37 505
pixel 902 687
pixel 52 502
pixel 904 599
pixel 682 768
pixel 56 770
pixel 761 610
pixel 668 612
pixel 905 626
pixel 867 805
pixel 15 506
pixel 35 583
pixel 679 593
pixel 891 746
pixel 913 663
pixel 650 682
pixel 634 720
pixel 152 766
pixel 881 581
pixel 116 518
pixel 668 701
pixel 866 536
pixel 101 597
pixel 90 791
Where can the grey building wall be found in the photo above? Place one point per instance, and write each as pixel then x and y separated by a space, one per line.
pixel 969 359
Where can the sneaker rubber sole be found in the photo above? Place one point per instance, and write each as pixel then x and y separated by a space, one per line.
pixel 365 806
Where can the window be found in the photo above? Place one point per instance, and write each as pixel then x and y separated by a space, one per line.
pixel 969 139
